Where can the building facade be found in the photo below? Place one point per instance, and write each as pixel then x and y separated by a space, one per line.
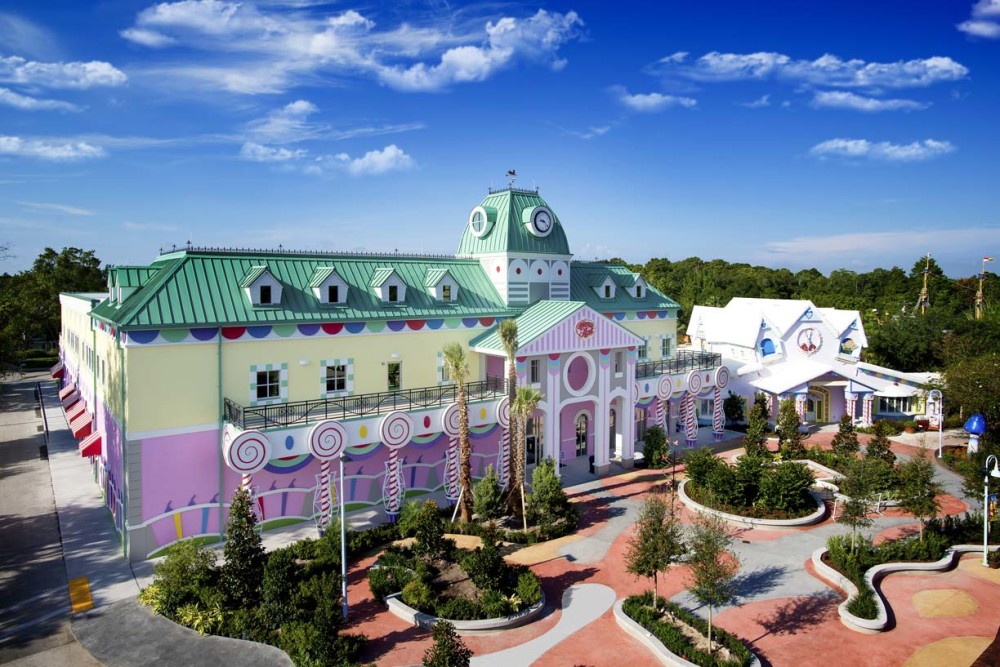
pixel 792 349
pixel 214 368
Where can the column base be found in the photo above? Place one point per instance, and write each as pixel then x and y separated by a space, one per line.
pixel 602 468
pixel 628 463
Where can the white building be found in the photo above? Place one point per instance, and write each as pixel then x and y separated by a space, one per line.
pixel 791 348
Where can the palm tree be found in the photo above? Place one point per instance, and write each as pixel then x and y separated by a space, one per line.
pixel 525 401
pixel 454 359
pixel 508 336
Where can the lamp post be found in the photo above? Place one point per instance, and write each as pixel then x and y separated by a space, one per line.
pixel 936 396
pixel 986 503
pixel 343 540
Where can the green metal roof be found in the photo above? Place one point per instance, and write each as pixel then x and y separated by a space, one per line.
pixel 381 275
pixel 435 275
pixel 509 233
pixel 319 276
pixel 203 288
pixel 532 323
pixel 130 276
pixel 585 276
pixel 253 274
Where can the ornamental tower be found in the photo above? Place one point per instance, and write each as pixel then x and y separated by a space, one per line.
pixel 521 244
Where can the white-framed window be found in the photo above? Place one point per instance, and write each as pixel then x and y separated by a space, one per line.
pixel 607 291
pixel 898 405
pixel 638 291
pixel 640 423
pixel 705 407
pixel 393 294
pixel 643 352
pixel 394 375
pixel 333 293
pixel 336 378
pixel 446 293
pixel 619 362
pixel 534 371
pixel 666 347
pixel 268 385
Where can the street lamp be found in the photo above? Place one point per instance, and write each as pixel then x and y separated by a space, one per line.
pixel 936 396
pixel 986 502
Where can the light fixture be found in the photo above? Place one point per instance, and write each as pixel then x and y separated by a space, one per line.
pixel 303 362
pixel 394 355
pixel 995 472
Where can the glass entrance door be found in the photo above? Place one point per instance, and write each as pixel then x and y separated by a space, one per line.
pixel 581 434
pixel 533 442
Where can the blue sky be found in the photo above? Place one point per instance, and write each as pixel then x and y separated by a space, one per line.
pixel 798 134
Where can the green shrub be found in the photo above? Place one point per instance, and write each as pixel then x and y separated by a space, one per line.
pixel 243 572
pixel 408 517
pixel 429 532
pixel 203 620
pixel 785 487
pixel 734 407
pixel 488 501
pixel 485 566
pixel 529 588
pixel 282 576
pixel 419 595
pixel 654 449
pixel 548 504
pixel 494 604
pixel 388 578
pixel 721 484
pixel 863 604
pixel 747 476
pixel 459 609
pixel 699 463
pixel 448 649
pixel 182 577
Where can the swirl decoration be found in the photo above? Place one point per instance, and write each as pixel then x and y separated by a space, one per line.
pixel 721 377
pixel 503 455
pixel 396 429
pixel 661 417
pixel 449 420
pixel 690 420
pixel 247 453
pixel 718 416
pixel 664 387
pixel 694 383
pixel 451 486
pixel 392 485
pixel 327 440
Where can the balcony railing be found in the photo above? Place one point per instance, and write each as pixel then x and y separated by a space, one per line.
pixel 686 360
pixel 302 413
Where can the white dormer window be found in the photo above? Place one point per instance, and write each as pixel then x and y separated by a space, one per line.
pixel 393 294
pixel 604 286
pixel 607 291
pixel 446 293
pixel 328 287
pixel 387 284
pixel 441 285
pixel 638 291
pixel 261 287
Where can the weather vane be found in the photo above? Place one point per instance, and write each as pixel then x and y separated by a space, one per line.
pixel 511 177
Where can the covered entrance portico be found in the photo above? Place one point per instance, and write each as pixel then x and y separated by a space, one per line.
pixel 584 366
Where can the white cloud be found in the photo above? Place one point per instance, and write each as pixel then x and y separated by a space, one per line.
pixel 19 35
pixel 878 244
pixel 253 48
pixel 145 37
pixel 591 132
pixel 58 208
pixel 759 103
pixel 827 70
pixel 882 150
pixel 49 149
pixel 287 124
pixel 985 21
pixel 839 99
pixel 9 98
pixel 651 102
pixel 79 75
pixel 390 158
pixel 255 152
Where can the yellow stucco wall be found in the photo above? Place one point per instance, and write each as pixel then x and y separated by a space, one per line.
pixel 654 329
pixel 172 386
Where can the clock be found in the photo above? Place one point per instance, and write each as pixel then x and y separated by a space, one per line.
pixel 540 222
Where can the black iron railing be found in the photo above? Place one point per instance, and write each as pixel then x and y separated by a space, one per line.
pixel 686 360
pixel 362 405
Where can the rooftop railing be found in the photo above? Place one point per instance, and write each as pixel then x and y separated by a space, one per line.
pixel 302 413
pixel 685 361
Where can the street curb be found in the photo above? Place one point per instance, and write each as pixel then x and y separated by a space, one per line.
pixel 809 520
pixel 402 610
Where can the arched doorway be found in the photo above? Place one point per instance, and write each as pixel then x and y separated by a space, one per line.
pixel 582 428
pixel 534 440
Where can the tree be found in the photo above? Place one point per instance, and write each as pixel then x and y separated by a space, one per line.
pixel 525 402
pixel 658 541
pixel 789 436
pixel 845 443
pixel 508 337
pixel 755 441
pixel 863 477
pixel 878 446
pixel 734 407
pixel 448 649
pixel 488 501
pixel 713 564
pixel 654 448
pixel 243 572
pixel 918 490
pixel 548 503
pixel 454 359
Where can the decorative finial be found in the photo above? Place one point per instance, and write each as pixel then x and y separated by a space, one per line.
pixel 511 177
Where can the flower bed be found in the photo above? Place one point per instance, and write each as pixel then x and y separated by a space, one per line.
pixel 668 623
pixel 700 497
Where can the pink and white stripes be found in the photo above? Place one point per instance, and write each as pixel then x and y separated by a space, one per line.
pixel 690 421
pixel 866 408
pixel 718 416
pixel 323 489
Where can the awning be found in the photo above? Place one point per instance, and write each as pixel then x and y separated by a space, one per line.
pixel 91 445
pixel 57 370
pixel 75 411
pixel 81 426
pixel 66 391
pixel 71 399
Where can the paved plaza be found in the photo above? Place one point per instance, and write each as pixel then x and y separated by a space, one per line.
pixel 55 530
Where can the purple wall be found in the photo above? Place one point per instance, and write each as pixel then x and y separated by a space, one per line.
pixel 494 366
pixel 567 428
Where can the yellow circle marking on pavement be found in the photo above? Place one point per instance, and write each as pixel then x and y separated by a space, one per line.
pixel 974 566
pixel 944 603
pixel 954 652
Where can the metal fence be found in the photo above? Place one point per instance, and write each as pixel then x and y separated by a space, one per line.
pixel 685 361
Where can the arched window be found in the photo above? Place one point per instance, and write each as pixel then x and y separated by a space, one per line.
pixel 766 347
pixel 582 424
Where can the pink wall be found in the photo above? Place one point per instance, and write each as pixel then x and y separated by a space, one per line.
pixel 567 428
pixel 494 366
pixel 578 371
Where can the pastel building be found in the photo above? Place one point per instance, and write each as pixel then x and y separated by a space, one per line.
pixel 792 349
pixel 215 368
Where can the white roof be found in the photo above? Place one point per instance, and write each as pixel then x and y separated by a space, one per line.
pixel 786 376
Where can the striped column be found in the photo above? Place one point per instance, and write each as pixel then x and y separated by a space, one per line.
pixel 324 492
pixel 800 406
pixel 851 404
pixel 866 409
pixel 718 416
pixel 661 418
pixel 690 421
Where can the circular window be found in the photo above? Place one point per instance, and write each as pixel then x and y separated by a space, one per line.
pixel 479 222
pixel 579 374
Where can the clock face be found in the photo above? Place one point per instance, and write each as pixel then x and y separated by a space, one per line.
pixel 541 222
